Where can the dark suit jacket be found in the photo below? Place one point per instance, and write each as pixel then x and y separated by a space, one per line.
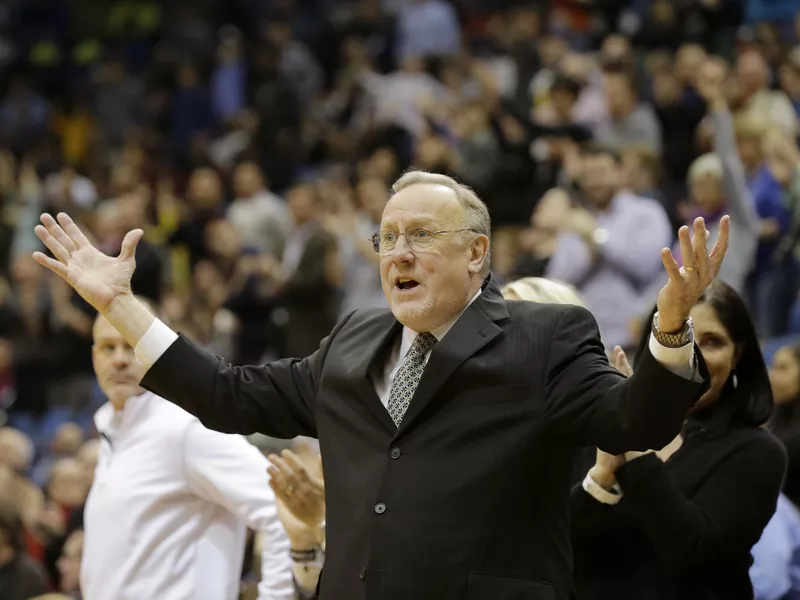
pixel 469 498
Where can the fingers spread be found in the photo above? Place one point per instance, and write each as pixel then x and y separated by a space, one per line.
pixel 129 243
pixel 73 231
pixel 55 266
pixel 671 265
pixel 52 243
pixel 720 247
pixel 700 247
pixel 58 233
pixel 294 463
pixel 687 252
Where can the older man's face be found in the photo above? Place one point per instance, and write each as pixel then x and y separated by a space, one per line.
pixel 118 372
pixel 426 288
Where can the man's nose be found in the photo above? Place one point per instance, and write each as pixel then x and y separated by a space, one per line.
pixel 402 251
pixel 121 358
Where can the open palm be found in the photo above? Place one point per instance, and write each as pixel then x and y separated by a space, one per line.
pixel 96 277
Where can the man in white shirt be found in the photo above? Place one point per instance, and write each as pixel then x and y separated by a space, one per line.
pixel 167 515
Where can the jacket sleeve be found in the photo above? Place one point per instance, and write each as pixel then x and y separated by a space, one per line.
pixel 230 472
pixel 591 404
pixel 277 399
pixel 726 515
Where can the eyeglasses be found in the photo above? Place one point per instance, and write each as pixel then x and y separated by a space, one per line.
pixel 418 239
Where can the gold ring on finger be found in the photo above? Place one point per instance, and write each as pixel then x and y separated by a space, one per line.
pixel 689 268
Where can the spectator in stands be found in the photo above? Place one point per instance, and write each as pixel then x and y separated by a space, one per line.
pixel 66 442
pixel 783 161
pixel 609 249
pixel 354 226
pixel 205 197
pixel 427 28
pixel 20 576
pixel 538 242
pixel 770 285
pixel 784 377
pixel 630 122
pixel 760 103
pixel 261 218
pixel 681 521
pixel 718 186
pixel 16 450
pixel 538 289
pixel 310 274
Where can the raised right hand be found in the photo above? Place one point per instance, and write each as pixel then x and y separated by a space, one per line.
pixel 98 278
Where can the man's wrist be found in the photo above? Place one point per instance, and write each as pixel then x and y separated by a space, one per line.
pixel 669 325
pixel 603 477
pixel 610 496
pixel 305 555
pixel 130 317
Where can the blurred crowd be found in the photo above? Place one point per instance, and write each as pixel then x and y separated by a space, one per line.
pixel 255 143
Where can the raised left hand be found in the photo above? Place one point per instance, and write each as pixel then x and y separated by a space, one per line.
pixel 687 283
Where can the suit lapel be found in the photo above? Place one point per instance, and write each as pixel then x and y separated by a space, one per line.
pixel 471 332
pixel 375 347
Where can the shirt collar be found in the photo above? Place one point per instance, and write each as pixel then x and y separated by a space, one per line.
pixel 104 418
pixel 409 335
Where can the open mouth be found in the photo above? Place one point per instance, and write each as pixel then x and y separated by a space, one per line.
pixel 405 284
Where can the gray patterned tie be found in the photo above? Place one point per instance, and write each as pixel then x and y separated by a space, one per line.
pixel 407 377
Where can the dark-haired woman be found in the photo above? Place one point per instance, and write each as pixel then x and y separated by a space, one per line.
pixel 679 523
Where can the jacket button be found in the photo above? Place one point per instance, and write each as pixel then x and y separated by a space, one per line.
pixel 362 574
pixel 395 452
pixel 380 508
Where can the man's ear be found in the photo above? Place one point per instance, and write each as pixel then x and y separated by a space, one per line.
pixel 478 253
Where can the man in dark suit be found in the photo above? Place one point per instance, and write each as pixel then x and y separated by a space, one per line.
pixel 448 425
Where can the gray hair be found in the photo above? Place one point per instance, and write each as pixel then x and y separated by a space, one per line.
pixel 475 212
pixel 539 289
pixel 707 165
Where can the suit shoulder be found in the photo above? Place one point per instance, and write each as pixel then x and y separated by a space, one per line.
pixel 366 318
pixel 539 312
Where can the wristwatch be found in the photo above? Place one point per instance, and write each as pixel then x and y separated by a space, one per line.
pixel 677 339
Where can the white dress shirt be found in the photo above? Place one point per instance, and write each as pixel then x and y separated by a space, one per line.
pixel 166 517
pixel 159 337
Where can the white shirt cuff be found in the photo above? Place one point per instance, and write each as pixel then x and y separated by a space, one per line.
pixel 680 361
pixel 154 343
pixel 592 488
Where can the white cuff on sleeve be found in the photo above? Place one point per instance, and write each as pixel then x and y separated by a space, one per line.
pixel 154 343
pixel 680 361
pixel 592 488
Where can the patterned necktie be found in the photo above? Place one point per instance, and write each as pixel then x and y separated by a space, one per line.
pixel 408 375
